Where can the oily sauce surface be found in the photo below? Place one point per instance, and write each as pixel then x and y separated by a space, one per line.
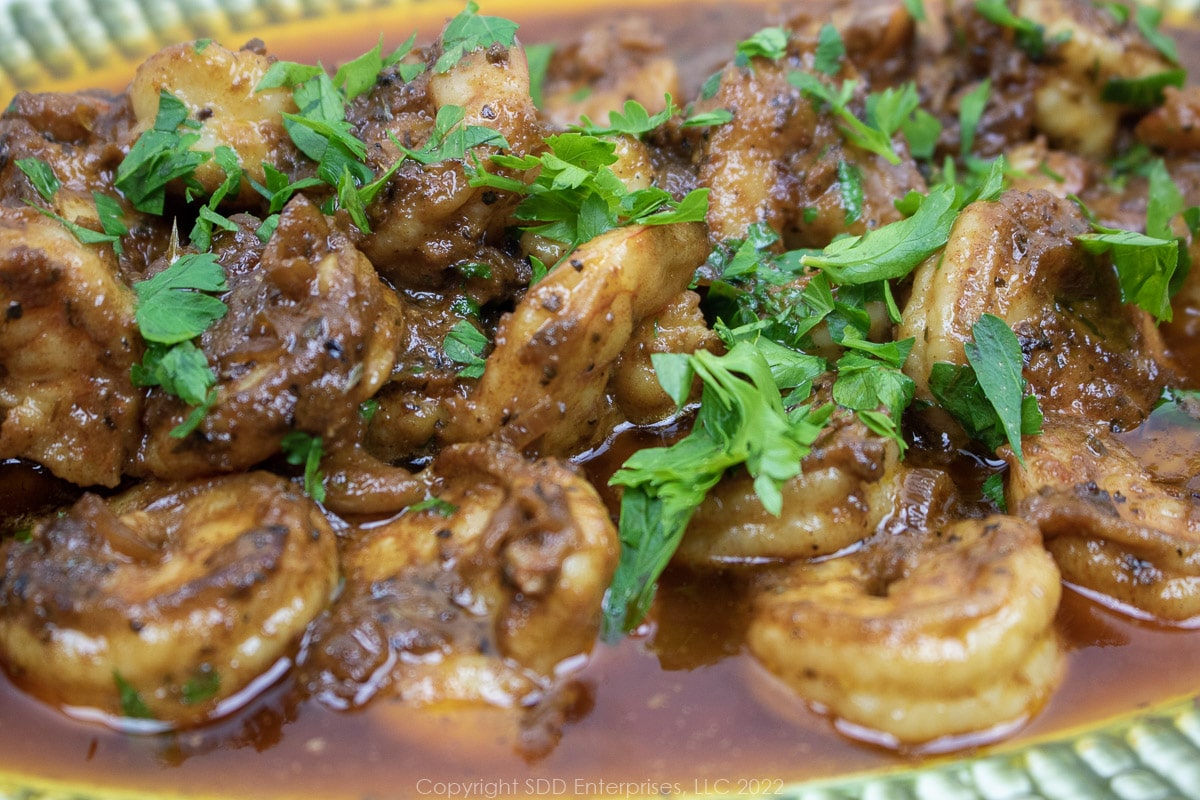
pixel 680 709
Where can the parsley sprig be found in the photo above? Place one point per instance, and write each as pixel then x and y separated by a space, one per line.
pixel 742 421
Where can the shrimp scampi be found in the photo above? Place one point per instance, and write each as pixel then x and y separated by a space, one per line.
pixel 442 398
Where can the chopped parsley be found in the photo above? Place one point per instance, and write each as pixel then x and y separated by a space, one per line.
pixel 41 175
pixel 635 120
pixel 161 155
pixel 1030 36
pixel 304 449
pixel 1148 265
pixel 468 32
pixel 465 345
pixel 575 196
pixel 130 699
pixel 203 685
pixel 988 394
pixel 742 421
pixel 860 133
pixel 173 308
pixel 830 50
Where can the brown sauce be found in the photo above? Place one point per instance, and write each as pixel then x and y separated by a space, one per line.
pixel 682 710
pixel 690 707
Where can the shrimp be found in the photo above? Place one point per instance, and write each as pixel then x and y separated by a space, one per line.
pixel 170 601
pixel 1087 352
pixel 1175 125
pixel 479 598
pixel 219 89
pixel 777 162
pixel 545 383
pixel 1111 525
pixel 920 638
pixel 67 342
pixel 679 327
pixel 847 485
pixel 429 218
pixel 610 64
pixel 1094 49
pixel 311 333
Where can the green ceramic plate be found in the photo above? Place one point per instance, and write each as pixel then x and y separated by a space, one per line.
pixel 1149 753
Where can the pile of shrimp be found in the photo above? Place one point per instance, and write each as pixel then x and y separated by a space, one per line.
pixel 460 555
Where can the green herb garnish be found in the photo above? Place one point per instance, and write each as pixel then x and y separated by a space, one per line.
pixel 302 448
pixel 465 345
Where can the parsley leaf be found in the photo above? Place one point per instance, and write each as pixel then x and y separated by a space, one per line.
pixel 84 235
pixel 1147 18
pixel 575 196
pixel 302 448
pixel 1145 266
pixel 1030 36
pixel 635 121
pixel 132 704
pixel 468 32
pixel 41 175
pixel 993 489
pixel 1143 92
pixel 970 112
pixel 893 250
pixel 203 685
pixel 718 116
pixel 538 57
pixel 176 304
pixel 995 356
pixel 850 185
pixel 1148 264
pixel 181 370
pixel 830 50
pixel 450 139
pixel 356 77
pixel 465 345
pixel 174 307
pixel 769 43
pixel 916 9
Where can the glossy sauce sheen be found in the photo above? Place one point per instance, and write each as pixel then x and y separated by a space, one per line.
pixel 686 710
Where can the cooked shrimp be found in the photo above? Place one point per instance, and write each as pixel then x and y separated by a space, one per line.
pixel 777 162
pixel 478 599
pixel 1109 523
pixel 311 333
pixel 677 328
pixel 1094 49
pixel 429 218
pixel 67 342
pixel 919 637
pixel 1087 353
pixel 218 88
pixel 183 593
pixel 1175 125
pixel 545 382
pixel 609 64
pixel 847 484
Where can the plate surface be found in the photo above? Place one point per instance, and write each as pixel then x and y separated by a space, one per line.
pixel 74 44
